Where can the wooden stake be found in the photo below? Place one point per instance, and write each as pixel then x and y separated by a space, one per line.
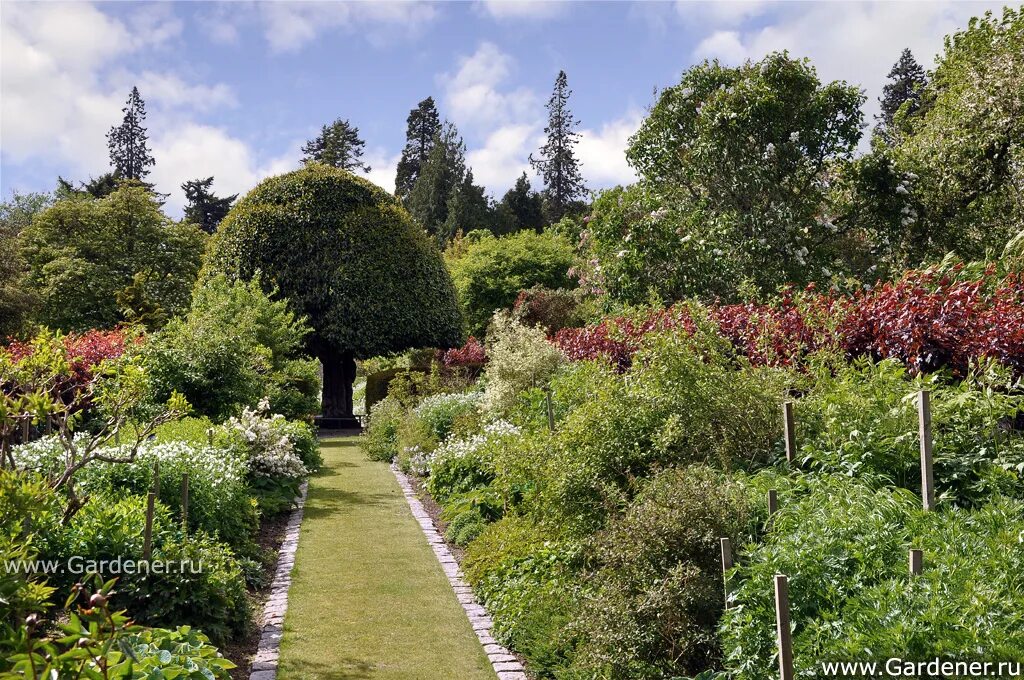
pixel 790 430
pixel 924 418
pixel 726 566
pixel 26 429
pixel 782 627
pixel 156 478
pixel 773 502
pixel 551 410
pixel 147 541
pixel 916 561
pixel 184 502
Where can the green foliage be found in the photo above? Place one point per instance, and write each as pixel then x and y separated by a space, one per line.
pixel 844 547
pixel 423 126
pixel 346 256
pixel 129 152
pixel 738 158
pixel 381 440
pixel 182 653
pixel 338 145
pixel 97 262
pixel 203 207
pixel 656 595
pixel 489 272
pixel 440 179
pixel 17 301
pixel 235 346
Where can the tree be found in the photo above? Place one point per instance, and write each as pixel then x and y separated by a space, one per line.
pixel 490 272
pixel 95 263
pixel 906 80
pixel 204 208
pixel 422 127
pixel 557 162
pixel 129 154
pixel 524 206
pixel 16 299
pixel 742 160
pixel 438 179
pixel 468 209
pixel 97 187
pixel 349 258
pixel 963 157
pixel 338 145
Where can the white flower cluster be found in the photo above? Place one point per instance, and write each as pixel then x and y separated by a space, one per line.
pixel 207 462
pixel 269 452
pixel 45 456
pixel 455 401
pixel 461 448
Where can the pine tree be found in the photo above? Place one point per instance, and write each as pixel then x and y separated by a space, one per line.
pixel 129 154
pixel 468 209
pixel 557 163
pixel 439 177
pixel 337 145
pixel 204 208
pixel 524 206
pixel 423 125
pixel 906 80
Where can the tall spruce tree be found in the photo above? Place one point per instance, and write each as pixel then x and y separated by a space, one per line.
pixel 907 79
pixel 423 125
pixel 439 178
pixel 204 208
pixel 523 205
pixel 129 153
pixel 557 162
pixel 338 145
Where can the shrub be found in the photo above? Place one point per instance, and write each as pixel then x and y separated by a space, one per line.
pixel 656 595
pixel 462 465
pixel 235 347
pixel 381 440
pixel 520 357
pixel 441 411
pixel 552 310
pixel 183 652
pixel 489 272
pixel 844 547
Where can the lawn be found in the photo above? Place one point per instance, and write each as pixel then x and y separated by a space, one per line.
pixel 368 597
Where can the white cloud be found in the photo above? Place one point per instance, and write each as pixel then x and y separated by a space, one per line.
pixel 853 41
pixel 193 150
pixel 472 93
pixel 722 45
pixel 288 26
pixel 523 9
pixel 602 153
pixel 727 13
pixel 168 90
pixel 504 156
pixel 382 168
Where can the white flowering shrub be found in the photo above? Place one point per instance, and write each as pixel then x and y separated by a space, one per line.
pixel 440 411
pixel 463 464
pixel 262 440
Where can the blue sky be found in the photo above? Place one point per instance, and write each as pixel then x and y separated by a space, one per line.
pixel 233 89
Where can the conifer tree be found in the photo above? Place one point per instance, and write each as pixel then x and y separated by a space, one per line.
pixel 523 205
pixel 907 79
pixel 557 162
pixel 338 145
pixel 468 209
pixel 129 153
pixel 204 208
pixel 440 177
pixel 423 125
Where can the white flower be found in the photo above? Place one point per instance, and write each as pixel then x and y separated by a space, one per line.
pixel 794 137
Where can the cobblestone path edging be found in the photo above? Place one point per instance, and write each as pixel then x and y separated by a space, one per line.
pixel 264 664
pixel 505 664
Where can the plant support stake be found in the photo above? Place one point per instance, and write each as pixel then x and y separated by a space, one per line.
pixel 773 502
pixel 789 427
pixel 924 413
pixel 782 627
pixel 147 540
pixel 551 409
pixel 726 566
pixel 184 502
pixel 916 561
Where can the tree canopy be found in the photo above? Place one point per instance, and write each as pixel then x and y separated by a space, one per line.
pixel 422 126
pixel 337 145
pixel 349 258
pixel 557 162
pixel 204 207
pixel 129 152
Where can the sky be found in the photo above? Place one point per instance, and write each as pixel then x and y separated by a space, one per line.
pixel 234 89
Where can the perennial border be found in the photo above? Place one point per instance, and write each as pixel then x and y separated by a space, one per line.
pixel 505 664
pixel 264 664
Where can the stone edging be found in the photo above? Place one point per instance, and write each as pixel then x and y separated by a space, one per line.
pixel 264 664
pixel 505 664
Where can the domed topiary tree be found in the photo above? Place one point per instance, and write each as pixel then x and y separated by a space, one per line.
pixel 347 256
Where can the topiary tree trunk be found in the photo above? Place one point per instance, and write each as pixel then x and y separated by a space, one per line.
pixel 339 377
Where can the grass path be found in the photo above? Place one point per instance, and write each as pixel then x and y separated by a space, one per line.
pixel 368 598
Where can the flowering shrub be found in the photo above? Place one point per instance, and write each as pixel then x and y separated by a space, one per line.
pixel 461 465
pixel 440 411
pixel 472 355
pixel 266 449
pixel 520 358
